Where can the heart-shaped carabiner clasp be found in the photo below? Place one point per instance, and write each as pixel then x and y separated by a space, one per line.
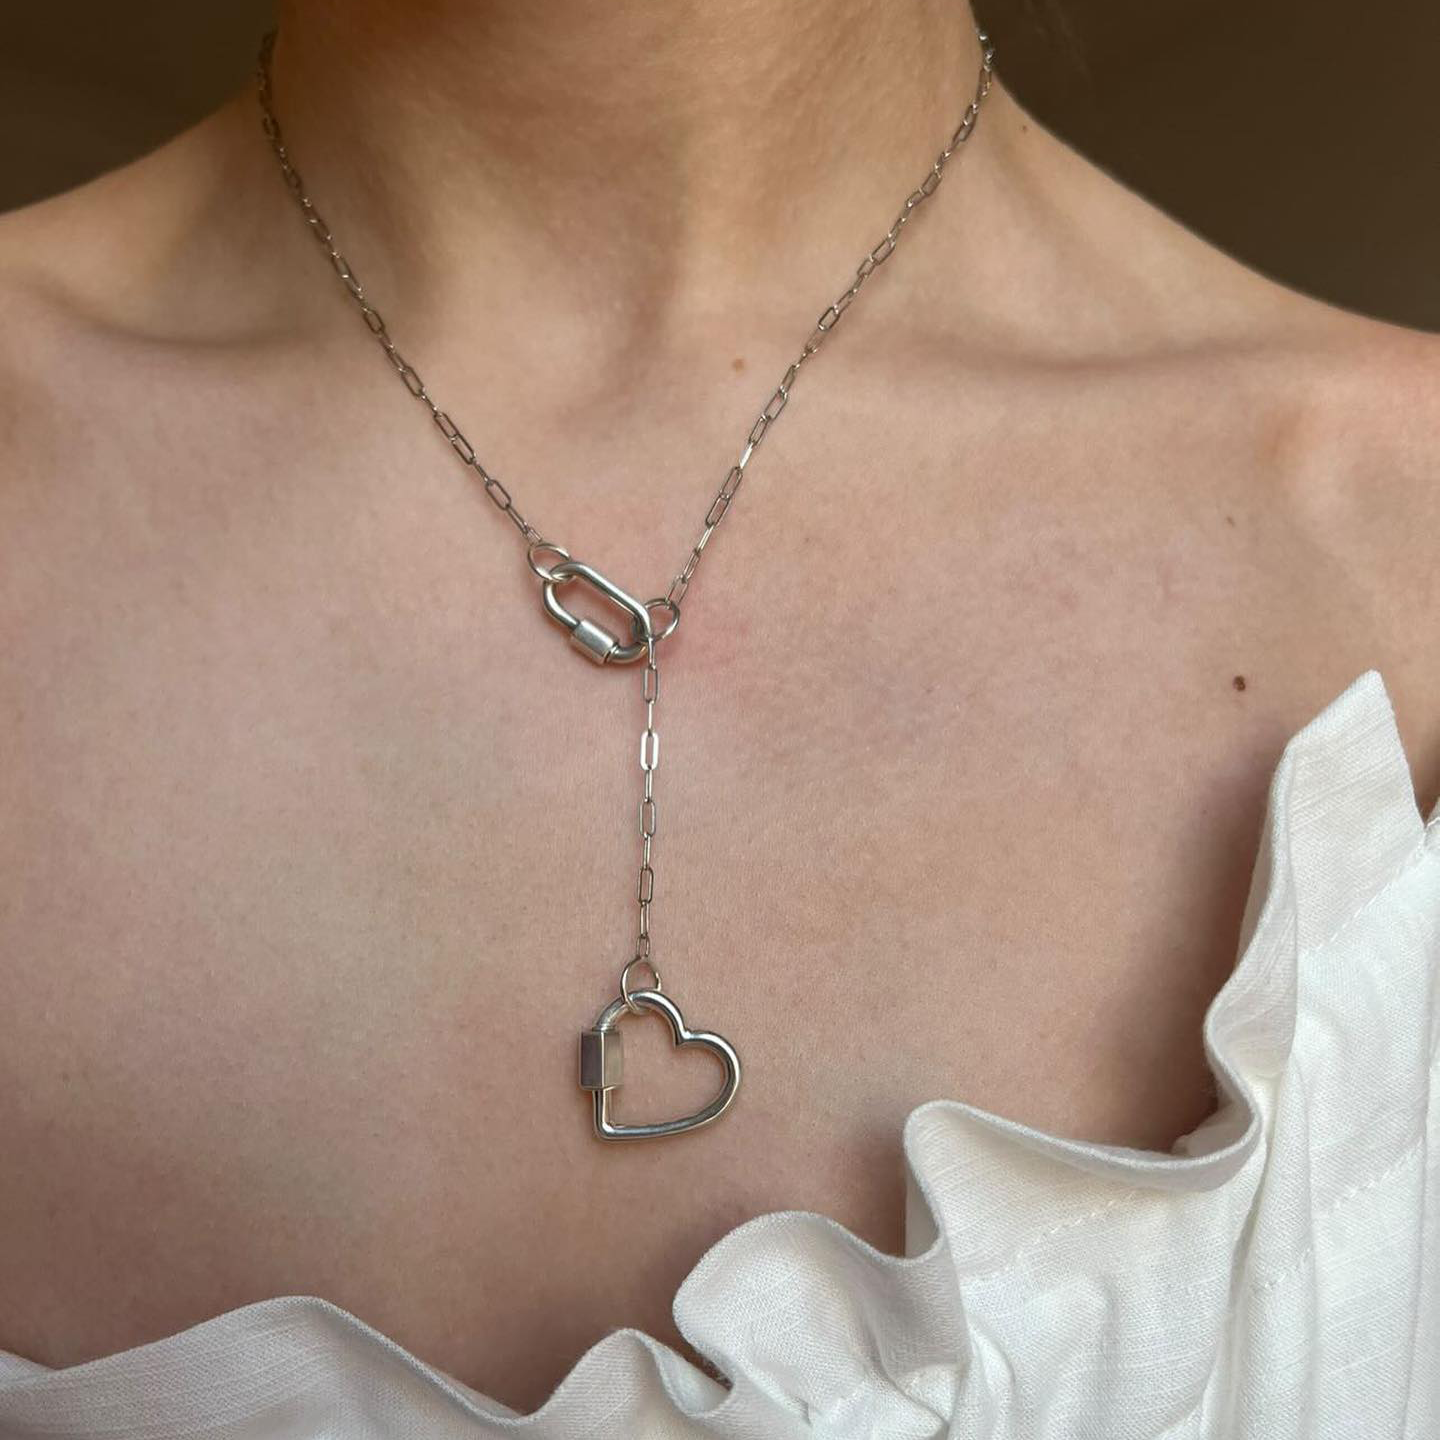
pixel 602 1066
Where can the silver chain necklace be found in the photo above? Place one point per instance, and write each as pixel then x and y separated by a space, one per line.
pixel 650 621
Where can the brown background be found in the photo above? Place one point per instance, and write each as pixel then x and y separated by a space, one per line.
pixel 1286 131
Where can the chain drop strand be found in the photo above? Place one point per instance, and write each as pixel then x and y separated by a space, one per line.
pixel 719 507
pixel 649 760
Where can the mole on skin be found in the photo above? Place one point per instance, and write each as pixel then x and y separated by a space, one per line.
pixel 1238 682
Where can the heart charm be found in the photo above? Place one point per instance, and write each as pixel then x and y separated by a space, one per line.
pixel 602 1065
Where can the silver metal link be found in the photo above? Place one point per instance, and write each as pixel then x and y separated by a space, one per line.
pixel 539 546
pixel 649 760
pixel 626 986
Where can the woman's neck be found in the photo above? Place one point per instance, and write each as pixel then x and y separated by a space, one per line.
pixel 632 144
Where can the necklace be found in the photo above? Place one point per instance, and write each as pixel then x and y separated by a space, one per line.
pixel 649 621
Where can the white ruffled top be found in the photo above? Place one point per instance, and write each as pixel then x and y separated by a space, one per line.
pixel 1275 1275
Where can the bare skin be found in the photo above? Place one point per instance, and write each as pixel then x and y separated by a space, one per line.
pixel 317 840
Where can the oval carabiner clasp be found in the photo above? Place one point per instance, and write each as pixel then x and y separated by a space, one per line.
pixel 593 640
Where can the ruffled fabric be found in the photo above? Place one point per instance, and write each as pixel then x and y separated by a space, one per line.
pixel 1275 1275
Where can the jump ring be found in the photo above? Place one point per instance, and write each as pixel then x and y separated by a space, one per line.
pixel 664 603
pixel 540 545
pixel 625 982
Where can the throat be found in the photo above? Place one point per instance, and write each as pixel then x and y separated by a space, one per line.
pixel 638 138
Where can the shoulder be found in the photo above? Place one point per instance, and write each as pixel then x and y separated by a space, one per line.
pixel 87 282
pixel 136 360
pixel 1202 376
pixel 154 258
pixel 1343 398
pixel 1341 414
pixel 132 304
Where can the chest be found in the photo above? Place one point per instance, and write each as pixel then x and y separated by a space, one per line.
pixel 322 849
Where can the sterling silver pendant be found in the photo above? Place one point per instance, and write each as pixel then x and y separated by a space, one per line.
pixel 601 1052
pixel 602 1066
